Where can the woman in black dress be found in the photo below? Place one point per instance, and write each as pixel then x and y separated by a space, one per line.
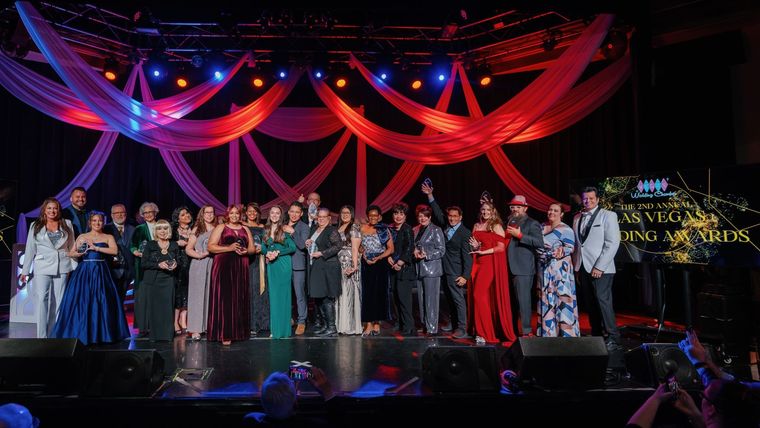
pixel 160 262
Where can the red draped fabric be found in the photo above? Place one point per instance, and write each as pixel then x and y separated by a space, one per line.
pixel 499 126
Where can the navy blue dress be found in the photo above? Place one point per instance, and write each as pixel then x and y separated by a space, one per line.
pixel 91 309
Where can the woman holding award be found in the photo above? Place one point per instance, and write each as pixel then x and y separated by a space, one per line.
pixel 229 311
pixel 159 262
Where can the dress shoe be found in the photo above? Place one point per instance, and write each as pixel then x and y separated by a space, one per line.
pixel 447 328
pixel 460 334
pixel 300 329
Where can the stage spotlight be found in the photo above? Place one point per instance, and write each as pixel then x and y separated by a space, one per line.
pixel 383 76
pixel 181 82
pixel 416 84
pixel 614 45
pixel 282 74
pixel 111 69
pixel 258 82
pixel 156 73
pixel 218 75
pixel 341 82
pixel 483 75
pixel 485 81
pixel 441 77
pixel 318 74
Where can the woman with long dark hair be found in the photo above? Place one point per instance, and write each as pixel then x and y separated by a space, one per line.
pixel 257 272
pixel 199 276
pixel 182 223
pixel 277 249
pixel 48 243
pixel 378 244
pixel 348 307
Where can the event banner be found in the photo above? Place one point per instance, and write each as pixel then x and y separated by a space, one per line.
pixel 697 216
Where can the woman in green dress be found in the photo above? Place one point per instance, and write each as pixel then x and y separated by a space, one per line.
pixel 277 248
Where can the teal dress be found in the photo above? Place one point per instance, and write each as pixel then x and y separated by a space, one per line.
pixel 279 273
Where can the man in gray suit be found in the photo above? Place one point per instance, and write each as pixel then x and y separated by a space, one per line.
pixel 525 238
pixel 299 231
pixel 598 238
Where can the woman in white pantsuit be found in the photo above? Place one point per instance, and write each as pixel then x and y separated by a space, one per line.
pixel 47 246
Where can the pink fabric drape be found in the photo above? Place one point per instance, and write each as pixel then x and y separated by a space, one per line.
pixel 360 200
pixel 87 174
pixel 493 130
pixel 178 166
pixel 135 119
pixel 59 102
pixel 233 185
pixel 410 171
pixel 285 193
pixel 300 124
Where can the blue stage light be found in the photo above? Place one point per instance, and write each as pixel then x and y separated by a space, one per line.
pixel 441 77
pixel 383 76
pixel 156 73
pixel 218 75
pixel 283 75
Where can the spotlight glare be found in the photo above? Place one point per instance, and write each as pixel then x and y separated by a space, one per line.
pixel 383 76
pixel 485 81
pixel 110 75
pixel 417 84
pixel 318 74
pixel 181 82
pixel 156 73
pixel 441 77
pixel 218 75
pixel 283 75
pixel 258 82
pixel 341 83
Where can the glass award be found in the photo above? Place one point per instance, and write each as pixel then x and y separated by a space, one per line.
pixel 428 182
pixel 204 245
pixel 486 196
pixel 142 246
pixel 171 263
pixel 312 210
pixel 82 248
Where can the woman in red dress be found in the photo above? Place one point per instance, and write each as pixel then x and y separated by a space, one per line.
pixel 490 312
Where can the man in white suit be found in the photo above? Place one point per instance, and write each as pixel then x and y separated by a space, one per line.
pixel 598 238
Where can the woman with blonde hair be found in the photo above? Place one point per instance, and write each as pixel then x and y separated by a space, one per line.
pixel 160 260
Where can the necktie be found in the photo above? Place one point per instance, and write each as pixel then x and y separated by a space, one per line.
pixel 450 233
pixel 120 228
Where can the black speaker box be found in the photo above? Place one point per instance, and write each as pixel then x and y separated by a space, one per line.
pixel 47 365
pixel 123 373
pixel 561 362
pixel 650 364
pixel 460 369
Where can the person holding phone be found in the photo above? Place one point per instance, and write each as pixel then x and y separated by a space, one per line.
pixel 525 238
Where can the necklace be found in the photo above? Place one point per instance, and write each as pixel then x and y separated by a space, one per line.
pixel 164 251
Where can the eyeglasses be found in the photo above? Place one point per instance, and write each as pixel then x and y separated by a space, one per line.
pixel 149 212
pixel 118 212
pixel 323 216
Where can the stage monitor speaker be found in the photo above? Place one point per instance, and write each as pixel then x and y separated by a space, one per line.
pixel 561 362
pixel 123 373
pixel 46 365
pixel 650 364
pixel 460 369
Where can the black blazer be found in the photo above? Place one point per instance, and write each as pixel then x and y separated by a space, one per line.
pixel 125 270
pixel 152 257
pixel 324 272
pixel 403 249
pixel 457 261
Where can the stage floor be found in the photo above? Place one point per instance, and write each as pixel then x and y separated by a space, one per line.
pixel 375 379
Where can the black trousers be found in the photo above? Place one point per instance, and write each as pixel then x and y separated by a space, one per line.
pixel 597 301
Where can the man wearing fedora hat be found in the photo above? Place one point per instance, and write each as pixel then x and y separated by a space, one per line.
pixel 525 239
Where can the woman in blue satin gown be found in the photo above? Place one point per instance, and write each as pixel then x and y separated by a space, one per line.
pixel 91 310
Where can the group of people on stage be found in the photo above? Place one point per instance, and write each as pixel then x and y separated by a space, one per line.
pixel 238 275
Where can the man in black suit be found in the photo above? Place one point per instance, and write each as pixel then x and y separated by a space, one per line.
pixel 76 212
pixel 122 268
pixel 457 261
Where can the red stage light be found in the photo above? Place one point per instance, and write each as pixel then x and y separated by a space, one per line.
pixel 181 82
pixel 110 75
pixel 485 81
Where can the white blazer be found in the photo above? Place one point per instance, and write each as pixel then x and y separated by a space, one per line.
pixel 601 244
pixel 48 259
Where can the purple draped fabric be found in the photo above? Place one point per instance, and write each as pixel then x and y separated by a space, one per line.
pixel 135 119
pixel 87 174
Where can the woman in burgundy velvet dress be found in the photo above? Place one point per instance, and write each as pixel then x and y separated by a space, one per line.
pixel 229 310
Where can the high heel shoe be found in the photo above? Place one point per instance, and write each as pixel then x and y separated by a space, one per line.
pixel 226 342
pixel 366 333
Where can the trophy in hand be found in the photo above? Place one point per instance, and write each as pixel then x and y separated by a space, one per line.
pixel 171 264
pixel 82 248
pixel 486 197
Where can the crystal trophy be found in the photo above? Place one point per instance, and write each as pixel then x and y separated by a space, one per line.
pixel 142 246
pixel 82 248
pixel 313 210
pixel 171 263
pixel 428 182
pixel 486 196
pixel 204 245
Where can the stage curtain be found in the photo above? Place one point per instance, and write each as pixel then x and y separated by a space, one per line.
pixel 498 127
pixel 87 174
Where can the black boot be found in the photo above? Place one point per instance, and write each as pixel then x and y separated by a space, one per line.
pixel 328 311
pixel 319 329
